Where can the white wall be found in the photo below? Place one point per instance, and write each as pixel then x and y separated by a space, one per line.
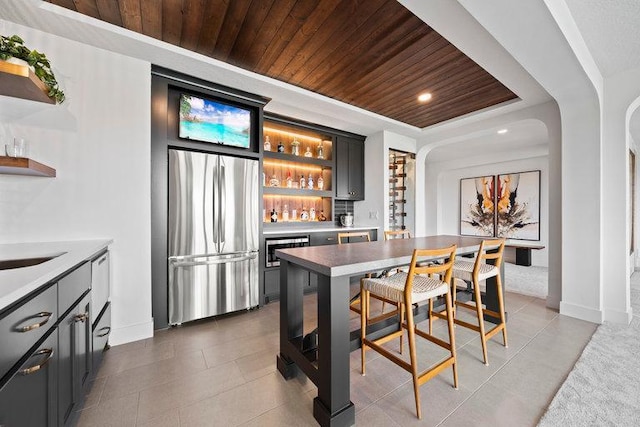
pixel 374 210
pixel 98 141
pixel 444 182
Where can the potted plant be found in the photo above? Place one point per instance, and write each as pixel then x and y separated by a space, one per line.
pixel 13 47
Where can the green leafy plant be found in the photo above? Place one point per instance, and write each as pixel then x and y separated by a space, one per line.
pixel 13 47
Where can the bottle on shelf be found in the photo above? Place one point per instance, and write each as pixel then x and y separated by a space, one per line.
pixel 267 143
pixel 264 179
pixel 274 215
pixel 321 216
pixel 294 214
pixel 304 215
pixel 320 183
pixel 274 182
pixel 303 182
pixel 320 151
pixel 308 153
pixel 312 214
pixel 295 147
pixel 310 182
pixel 280 147
pixel 285 213
pixel 289 180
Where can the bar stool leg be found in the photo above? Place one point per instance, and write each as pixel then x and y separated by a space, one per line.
pixel 480 314
pixel 364 299
pixel 452 339
pixel 501 304
pixel 401 310
pixel 414 358
pixel 431 316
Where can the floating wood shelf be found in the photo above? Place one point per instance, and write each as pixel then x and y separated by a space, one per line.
pixel 20 82
pixel 24 166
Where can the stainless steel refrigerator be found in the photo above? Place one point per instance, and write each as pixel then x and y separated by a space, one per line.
pixel 213 235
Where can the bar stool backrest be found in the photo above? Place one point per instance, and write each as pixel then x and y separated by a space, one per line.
pixel 397 234
pixel 363 234
pixel 418 266
pixel 484 255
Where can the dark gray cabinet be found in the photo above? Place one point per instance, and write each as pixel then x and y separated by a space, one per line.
pixel 272 285
pixel 74 344
pixel 29 397
pixel 349 168
pixel 47 354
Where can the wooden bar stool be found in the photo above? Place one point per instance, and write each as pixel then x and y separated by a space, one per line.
pixel 475 273
pixel 397 234
pixel 355 302
pixel 406 289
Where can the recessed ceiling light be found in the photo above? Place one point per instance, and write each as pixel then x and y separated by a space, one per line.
pixel 503 131
pixel 424 97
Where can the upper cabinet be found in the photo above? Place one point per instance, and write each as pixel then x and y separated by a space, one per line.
pixel 349 174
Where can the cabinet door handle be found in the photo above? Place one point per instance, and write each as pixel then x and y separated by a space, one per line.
pixel 330 238
pixel 81 317
pixel 36 368
pixel 108 328
pixel 46 314
pixel 104 258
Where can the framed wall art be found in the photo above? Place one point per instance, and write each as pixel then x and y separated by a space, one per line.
pixel 477 200
pixel 518 205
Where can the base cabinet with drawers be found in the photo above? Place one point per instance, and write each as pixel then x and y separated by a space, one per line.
pixel 48 353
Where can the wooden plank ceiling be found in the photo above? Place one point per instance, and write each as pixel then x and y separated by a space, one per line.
pixel 374 54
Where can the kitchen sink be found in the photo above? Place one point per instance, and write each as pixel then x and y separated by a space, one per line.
pixel 8 264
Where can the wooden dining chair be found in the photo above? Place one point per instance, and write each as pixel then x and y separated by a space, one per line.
pixel 476 273
pixel 355 303
pixel 406 289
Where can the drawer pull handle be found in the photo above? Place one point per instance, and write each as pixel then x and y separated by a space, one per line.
pixel 36 368
pixel 81 317
pixel 331 238
pixel 104 334
pixel 46 314
pixel 104 258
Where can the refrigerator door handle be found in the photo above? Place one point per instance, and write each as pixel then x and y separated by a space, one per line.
pixel 223 203
pixel 217 259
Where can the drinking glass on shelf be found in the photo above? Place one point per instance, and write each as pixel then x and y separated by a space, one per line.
pixel 20 147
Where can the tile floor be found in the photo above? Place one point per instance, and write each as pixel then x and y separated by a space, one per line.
pixel 222 372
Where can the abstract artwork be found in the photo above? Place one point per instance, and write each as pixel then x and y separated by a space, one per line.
pixel 477 213
pixel 518 205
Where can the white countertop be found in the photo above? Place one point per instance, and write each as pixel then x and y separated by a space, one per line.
pixel 19 282
pixel 336 228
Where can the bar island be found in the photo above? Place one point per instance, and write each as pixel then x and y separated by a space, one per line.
pixel 334 265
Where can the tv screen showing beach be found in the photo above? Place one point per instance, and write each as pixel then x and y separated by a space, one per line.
pixel 210 121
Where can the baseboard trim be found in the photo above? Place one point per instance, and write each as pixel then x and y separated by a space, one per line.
pixel 131 333
pixel 581 312
pixel 617 316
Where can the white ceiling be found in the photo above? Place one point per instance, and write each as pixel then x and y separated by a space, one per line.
pixel 445 17
pixel 611 31
pixel 520 135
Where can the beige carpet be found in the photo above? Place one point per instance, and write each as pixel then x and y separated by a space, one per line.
pixel 603 389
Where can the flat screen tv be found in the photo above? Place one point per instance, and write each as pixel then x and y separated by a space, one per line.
pixel 211 121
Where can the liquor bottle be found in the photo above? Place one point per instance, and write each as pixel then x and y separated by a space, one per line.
pixel 320 183
pixel 308 153
pixel 264 179
pixel 295 147
pixel 310 182
pixel 303 182
pixel 280 147
pixel 274 182
pixel 321 216
pixel 312 214
pixel 274 215
pixel 320 151
pixel 289 180
pixel 285 214
pixel 294 214
pixel 267 143
pixel 304 215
